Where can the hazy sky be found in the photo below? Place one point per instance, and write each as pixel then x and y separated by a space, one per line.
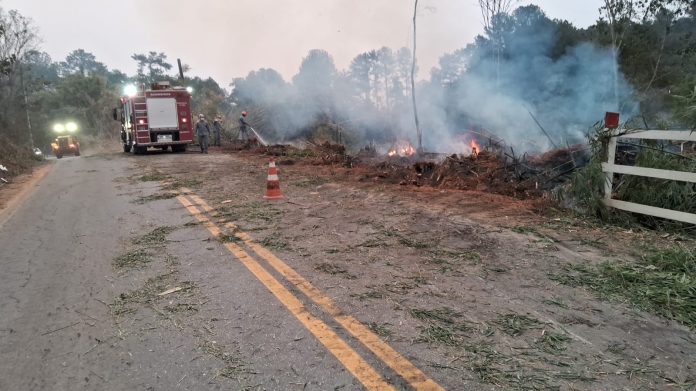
pixel 228 38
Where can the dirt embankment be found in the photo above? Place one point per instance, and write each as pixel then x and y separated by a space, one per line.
pixel 15 158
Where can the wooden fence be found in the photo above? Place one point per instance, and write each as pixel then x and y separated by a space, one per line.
pixel 610 168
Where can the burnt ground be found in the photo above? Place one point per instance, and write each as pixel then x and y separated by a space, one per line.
pixel 462 283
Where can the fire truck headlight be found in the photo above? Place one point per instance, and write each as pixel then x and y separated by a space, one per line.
pixel 71 127
pixel 58 128
pixel 130 90
pixel 189 90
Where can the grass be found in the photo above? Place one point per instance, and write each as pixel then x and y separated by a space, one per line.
pixel 369 295
pixel 405 240
pixel 310 182
pixel 523 229
pixel 274 242
pixel 153 177
pixel 334 270
pixel 251 211
pixel 444 315
pixel 440 335
pixel 228 238
pixel 662 282
pixel 155 237
pixel 179 183
pixel 234 366
pixel 133 259
pixel 380 329
pixel 553 343
pixel 557 302
pixel 516 324
pixel 443 326
pixel 181 307
pixel 299 153
pixel 148 293
pixel 153 197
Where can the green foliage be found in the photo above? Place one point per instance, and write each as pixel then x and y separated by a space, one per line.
pixel 585 190
pixel 586 186
pixel 661 193
pixel 152 67
pixel 663 282
pixel 685 105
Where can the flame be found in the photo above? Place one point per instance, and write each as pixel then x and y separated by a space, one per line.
pixel 402 148
pixel 475 147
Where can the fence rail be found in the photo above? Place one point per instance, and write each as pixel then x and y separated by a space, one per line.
pixel 610 168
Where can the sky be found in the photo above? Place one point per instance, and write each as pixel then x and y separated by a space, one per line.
pixel 225 39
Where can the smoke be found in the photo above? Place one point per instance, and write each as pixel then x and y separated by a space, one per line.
pixel 486 86
pixel 566 92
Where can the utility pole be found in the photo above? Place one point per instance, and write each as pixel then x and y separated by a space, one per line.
pixel 413 82
pixel 26 106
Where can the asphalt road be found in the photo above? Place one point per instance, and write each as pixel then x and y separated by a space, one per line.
pixel 71 319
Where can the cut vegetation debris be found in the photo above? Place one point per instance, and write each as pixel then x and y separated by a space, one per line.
pixel 334 270
pixel 141 254
pixel 516 324
pixel 156 236
pixel 444 326
pixel 133 259
pixel 234 366
pixel 154 177
pixel 154 197
pixel 662 282
pixel 553 343
pixel 126 302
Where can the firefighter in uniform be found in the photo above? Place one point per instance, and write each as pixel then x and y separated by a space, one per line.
pixel 243 128
pixel 217 128
pixel 203 131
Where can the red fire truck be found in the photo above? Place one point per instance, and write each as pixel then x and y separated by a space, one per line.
pixel 158 117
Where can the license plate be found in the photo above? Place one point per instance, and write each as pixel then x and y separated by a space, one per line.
pixel 164 138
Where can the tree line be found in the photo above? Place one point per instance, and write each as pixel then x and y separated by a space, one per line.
pixel 638 58
pixel 37 91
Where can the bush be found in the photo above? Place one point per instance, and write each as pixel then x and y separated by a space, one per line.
pixel 17 159
pixel 586 187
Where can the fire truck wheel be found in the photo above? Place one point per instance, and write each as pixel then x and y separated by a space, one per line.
pixel 179 148
pixel 139 150
pixel 126 148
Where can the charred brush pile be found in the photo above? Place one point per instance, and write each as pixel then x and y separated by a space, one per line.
pixel 501 173
pixel 497 172
pixel 316 154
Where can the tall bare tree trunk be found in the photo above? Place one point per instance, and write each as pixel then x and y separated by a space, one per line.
pixel 26 105
pixel 419 135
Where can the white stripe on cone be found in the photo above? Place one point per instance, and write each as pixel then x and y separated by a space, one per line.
pixel 273 177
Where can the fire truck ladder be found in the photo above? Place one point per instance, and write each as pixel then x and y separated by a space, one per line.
pixel 140 117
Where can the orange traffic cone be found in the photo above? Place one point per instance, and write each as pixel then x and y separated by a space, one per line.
pixel 273 183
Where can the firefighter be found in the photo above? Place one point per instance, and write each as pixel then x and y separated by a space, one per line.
pixel 203 131
pixel 217 128
pixel 243 128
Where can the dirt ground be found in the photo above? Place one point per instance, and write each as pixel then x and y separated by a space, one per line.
pixel 459 282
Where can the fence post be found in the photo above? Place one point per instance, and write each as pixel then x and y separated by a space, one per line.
pixel 611 159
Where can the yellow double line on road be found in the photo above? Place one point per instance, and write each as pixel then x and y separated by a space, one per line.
pixel 350 359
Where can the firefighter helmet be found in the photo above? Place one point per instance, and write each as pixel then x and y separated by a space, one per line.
pixel 201 116
pixel 244 113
